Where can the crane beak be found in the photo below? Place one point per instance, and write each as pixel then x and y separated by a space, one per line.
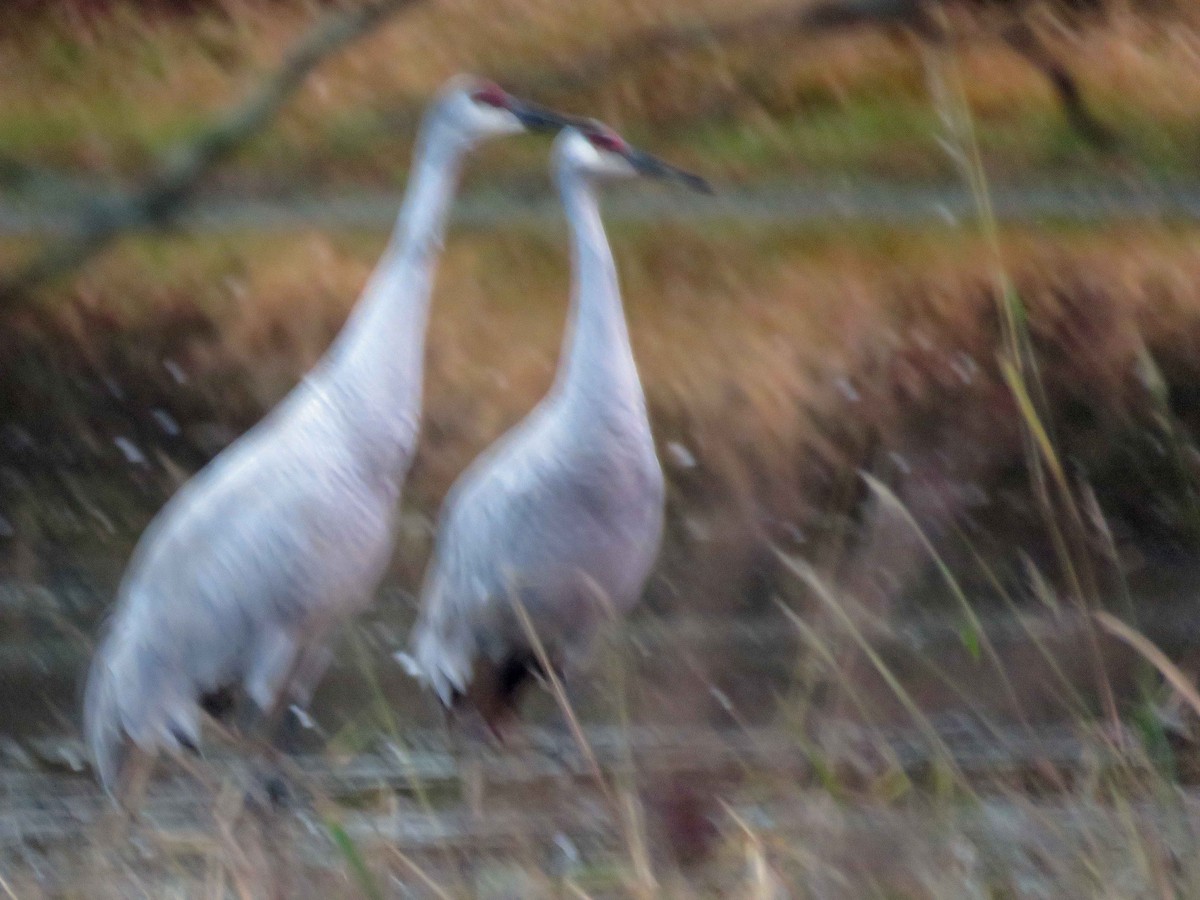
pixel 653 167
pixel 539 118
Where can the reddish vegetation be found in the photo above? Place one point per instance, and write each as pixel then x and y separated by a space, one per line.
pixel 782 385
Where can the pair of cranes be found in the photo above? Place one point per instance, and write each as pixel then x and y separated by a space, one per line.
pixel 242 577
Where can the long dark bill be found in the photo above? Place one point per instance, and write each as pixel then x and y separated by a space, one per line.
pixel 653 167
pixel 540 118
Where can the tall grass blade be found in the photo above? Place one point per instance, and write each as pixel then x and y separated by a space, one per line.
pixel 349 851
pixel 1146 648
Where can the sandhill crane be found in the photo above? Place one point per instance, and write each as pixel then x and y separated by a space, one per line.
pixel 563 515
pixel 239 580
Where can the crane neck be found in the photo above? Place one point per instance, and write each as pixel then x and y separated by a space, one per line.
pixel 373 371
pixel 598 365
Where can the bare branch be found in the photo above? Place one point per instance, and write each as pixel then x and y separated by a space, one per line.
pixel 811 20
pixel 165 193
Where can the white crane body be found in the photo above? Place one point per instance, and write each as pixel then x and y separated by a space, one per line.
pixel 242 575
pixel 564 513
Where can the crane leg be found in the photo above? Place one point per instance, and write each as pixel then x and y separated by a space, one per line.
pixel 555 743
pixel 113 826
pixel 133 779
pixel 466 741
pixel 285 723
pixel 473 781
pixel 265 727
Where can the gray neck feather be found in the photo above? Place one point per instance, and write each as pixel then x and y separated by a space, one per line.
pixel 373 371
pixel 598 365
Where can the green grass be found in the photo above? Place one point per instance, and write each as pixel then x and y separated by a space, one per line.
pixel 113 101
pixel 871 136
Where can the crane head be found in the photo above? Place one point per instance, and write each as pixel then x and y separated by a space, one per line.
pixel 483 109
pixel 600 151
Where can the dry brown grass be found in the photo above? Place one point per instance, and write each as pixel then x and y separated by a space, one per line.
pixel 782 361
pixel 107 94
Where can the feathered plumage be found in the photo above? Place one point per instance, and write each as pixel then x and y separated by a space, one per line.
pixel 242 576
pixel 563 515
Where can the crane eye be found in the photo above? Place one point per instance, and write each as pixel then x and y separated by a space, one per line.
pixel 491 95
pixel 604 141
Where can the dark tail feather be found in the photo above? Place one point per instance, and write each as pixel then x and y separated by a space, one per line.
pixel 496 690
pixel 219 703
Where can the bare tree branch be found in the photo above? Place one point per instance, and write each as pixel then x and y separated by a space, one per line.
pixel 814 19
pixel 167 190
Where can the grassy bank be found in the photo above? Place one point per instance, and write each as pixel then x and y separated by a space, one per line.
pixel 109 92
pixel 777 364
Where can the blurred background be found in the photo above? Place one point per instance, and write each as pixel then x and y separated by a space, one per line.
pixel 924 376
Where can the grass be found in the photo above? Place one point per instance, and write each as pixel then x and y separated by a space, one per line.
pixel 780 359
pixel 877 816
pixel 967 424
pixel 852 103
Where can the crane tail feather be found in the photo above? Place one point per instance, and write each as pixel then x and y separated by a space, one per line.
pixel 103 729
pixel 496 690
pixel 435 665
pixel 409 664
